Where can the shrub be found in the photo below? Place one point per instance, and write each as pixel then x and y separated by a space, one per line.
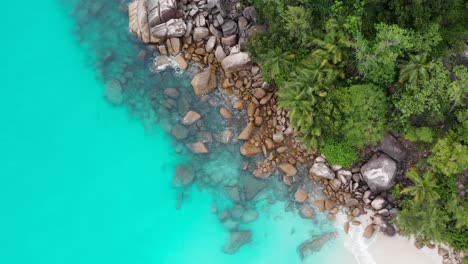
pixel 340 154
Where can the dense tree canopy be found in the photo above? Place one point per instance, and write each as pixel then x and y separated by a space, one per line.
pixel 349 71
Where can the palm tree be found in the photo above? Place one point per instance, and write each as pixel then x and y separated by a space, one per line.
pixel 277 63
pixel 424 188
pixel 416 69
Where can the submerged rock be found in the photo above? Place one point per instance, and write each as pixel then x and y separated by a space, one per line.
pixel 379 173
pixel 251 186
pixel 236 240
pixel 179 132
pixel 113 92
pixel 190 117
pixel 183 176
pixel 197 148
pixel 313 245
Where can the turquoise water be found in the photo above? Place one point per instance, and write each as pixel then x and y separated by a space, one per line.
pixel 82 181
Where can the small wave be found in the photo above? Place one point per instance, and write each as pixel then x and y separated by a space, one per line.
pixel 355 242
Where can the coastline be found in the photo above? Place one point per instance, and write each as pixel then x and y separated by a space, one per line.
pixel 221 63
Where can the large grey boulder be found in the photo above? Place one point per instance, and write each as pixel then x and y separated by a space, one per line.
pixel 229 28
pixel 236 240
pixel 200 33
pixel 250 13
pixel 174 28
pixel 236 62
pixel 160 11
pixel 379 173
pixel 321 169
pixel 393 148
pixel 138 21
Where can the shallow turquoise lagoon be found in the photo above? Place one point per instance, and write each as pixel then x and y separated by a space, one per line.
pixel 82 181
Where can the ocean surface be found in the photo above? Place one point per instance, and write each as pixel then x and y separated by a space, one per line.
pixel 84 181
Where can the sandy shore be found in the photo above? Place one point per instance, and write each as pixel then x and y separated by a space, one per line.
pixel 398 249
pixel 381 249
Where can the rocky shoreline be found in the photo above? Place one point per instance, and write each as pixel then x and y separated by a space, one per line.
pixel 209 37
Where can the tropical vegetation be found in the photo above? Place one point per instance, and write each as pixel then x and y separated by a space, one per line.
pixel 348 72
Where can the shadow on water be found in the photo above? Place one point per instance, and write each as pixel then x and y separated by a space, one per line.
pixel 238 198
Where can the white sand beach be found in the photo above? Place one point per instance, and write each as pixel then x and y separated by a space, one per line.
pixel 381 249
pixel 398 249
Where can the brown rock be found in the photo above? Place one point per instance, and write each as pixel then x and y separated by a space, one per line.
pixel 197 148
pixel 288 169
pixel 346 227
pixel 301 195
pixel 226 137
pixel 200 51
pixel 220 54
pixel 356 212
pixel 225 112
pixel 190 118
pixel 269 143
pixel 258 120
pixel 174 46
pixel 204 82
pixel 329 204
pixel 335 184
pixel 245 134
pixel 306 212
pixel 259 93
pixel 369 231
pixel 238 105
pixel 249 150
pixel 161 61
pixel 320 204
pixel 180 60
pixel 162 49
pixel 179 132
pixel 236 62
pixel 331 216
pixel 278 137
pixel 442 251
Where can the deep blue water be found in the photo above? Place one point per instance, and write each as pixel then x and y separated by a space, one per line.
pixel 82 181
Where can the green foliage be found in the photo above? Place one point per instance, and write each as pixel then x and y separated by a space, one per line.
pixel 436 212
pixel 422 134
pixel 334 61
pixel 458 89
pixel 426 221
pixel 416 69
pixel 428 100
pixel 364 109
pixel 311 81
pixel 425 186
pixel 449 156
pixel 377 59
pixel 340 154
pixel 298 24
